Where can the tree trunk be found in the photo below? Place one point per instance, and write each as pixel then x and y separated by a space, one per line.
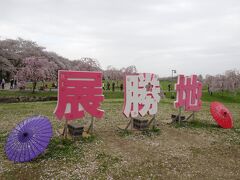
pixel 34 86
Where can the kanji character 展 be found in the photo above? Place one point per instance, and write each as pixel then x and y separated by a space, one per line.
pixel 79 92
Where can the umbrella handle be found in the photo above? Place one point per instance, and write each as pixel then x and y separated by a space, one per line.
pixel 223 113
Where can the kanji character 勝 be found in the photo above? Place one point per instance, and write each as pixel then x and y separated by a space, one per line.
pixel 78 92
pixel 189 92
pixel 141 94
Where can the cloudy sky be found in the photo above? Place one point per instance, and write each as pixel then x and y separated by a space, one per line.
pixel 191 36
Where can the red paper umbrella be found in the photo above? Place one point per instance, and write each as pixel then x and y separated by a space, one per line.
pixel 221 115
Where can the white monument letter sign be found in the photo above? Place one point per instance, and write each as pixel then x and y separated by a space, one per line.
pixel 142 94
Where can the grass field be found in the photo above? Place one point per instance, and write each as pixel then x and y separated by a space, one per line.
pixel 198 149
pixel 10 94
pixel 225 97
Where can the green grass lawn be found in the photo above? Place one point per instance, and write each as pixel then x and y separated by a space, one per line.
pixel 198 149
pixel 164 85
pixel 191 150
pixel 24 93
pixel 226 97
pixel 27 93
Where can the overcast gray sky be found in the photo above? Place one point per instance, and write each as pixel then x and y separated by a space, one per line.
pixel 191 36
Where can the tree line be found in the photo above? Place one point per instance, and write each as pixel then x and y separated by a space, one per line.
pixel 26 61
pixel 230 81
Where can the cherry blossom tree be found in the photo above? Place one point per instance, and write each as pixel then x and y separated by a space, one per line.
pixel 61 62
pixel 14 51
pixel 86 64
pixel 130 70
pixel 17 50
pixel 113 73
pixel 35 69
pixel 6 68
pixel 230 81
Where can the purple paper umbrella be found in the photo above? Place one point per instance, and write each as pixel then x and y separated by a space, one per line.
pixel 28 139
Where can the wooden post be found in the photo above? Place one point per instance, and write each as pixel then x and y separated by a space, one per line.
pixel 179 116
pixel 191 116
pixel 154 121
pixel 92 124
pixel 90 128
pixel 65 130
pixel 129 123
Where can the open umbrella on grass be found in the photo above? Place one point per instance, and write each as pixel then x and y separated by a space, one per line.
pixel 221 115
pixel 28 139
